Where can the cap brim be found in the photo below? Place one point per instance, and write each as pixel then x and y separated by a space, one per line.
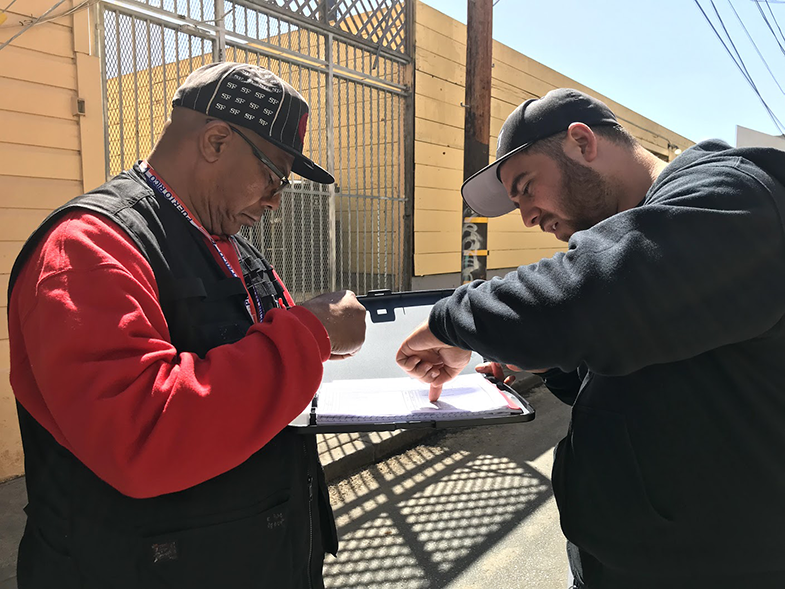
pixel 485 194
pixel 303 166
pixel 309 170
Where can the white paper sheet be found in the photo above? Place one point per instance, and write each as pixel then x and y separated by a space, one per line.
pixel 388 400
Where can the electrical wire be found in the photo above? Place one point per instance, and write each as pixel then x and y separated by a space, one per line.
pixel 774 18
pixel 42 20
pixel 31 25
pixel 7 7
pixel 774 117
pixel 69 12
pixel 739 64
pixel 768 24
pixel 763 59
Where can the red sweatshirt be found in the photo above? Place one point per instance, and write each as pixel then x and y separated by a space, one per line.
pixel 93 363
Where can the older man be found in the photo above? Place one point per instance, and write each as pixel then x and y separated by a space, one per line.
pixel 670 306
pixel 157 359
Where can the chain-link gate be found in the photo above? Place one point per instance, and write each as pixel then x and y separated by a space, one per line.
pixel 348 59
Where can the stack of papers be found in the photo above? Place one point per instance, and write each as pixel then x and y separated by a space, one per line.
pixel 394 400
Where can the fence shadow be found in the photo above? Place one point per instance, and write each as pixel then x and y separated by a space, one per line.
pixel 418 520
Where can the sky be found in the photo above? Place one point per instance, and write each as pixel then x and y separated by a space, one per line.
pixel 660 59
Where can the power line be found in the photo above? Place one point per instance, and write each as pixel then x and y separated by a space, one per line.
pixel 763 59
pixel 768 24
pixel 740 63
pixel 774 18
pixel 44 18
pixel 743 67
pixel 31 25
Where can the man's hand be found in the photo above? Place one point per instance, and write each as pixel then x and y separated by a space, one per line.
pixel 343 316
pixel 428 359
pixel 497 371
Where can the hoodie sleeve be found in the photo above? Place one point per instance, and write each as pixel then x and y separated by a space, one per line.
pixel 700 265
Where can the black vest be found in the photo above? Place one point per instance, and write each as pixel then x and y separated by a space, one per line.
pixel 265 523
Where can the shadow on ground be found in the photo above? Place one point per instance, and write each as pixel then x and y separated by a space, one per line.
pixel 420 519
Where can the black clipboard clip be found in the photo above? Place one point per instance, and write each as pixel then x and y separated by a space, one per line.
pixel 314 403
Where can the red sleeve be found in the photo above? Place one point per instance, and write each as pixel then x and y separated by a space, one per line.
pixel 92 361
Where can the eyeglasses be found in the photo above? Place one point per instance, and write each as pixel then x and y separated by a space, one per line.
pixel 282 179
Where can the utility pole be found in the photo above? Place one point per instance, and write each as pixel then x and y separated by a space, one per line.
pixel 477 131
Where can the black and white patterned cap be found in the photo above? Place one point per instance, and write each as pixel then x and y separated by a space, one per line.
pixel 254 98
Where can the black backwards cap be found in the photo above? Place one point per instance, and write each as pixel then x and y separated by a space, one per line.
pixel 254 98
pixel 532 121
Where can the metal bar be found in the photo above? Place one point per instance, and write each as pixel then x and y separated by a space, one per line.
pixel 136 85
pixel 366 189
pixel 339 212
pixel 357 178
pixel 150 83
pixel 100 34
pixel 370 81
pixel 386 191
pixel 219 47
pixel 379 167
pixel 407 146
pixel 164 66
pixel 330 129
pixel 190 40
pixel 177 56
pixel 120 94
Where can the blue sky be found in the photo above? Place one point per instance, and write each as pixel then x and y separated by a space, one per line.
pixel 660 59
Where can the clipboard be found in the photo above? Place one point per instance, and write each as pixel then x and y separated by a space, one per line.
pixel 391 317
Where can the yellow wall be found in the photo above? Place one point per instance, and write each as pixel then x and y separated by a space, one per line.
pixel 47 154
pixel 440 66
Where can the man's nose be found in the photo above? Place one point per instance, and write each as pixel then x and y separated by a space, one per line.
pixel 530 216
pixel 272 202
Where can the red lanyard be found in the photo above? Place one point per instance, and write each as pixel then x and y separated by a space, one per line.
pixel 157 183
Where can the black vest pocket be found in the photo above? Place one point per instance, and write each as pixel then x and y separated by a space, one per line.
pixel 253 551
pixel 40 564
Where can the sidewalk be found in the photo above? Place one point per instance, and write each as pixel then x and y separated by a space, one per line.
pixel 341 455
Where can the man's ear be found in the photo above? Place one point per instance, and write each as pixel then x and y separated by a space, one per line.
pixel 581 142
pixel 213 140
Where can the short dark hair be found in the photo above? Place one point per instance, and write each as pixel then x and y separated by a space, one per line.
pixel 552 146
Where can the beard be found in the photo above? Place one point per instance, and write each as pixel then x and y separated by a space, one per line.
pixel 587 197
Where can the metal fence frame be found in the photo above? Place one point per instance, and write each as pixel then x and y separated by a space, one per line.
pixel 395 83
